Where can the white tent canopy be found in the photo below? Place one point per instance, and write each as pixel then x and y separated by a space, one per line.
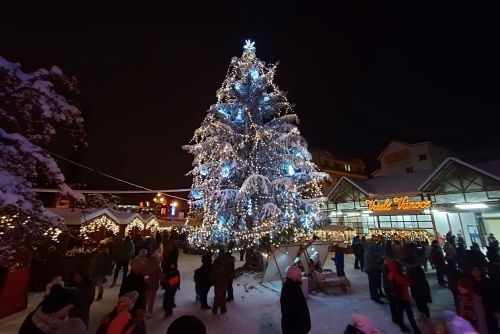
pixel 285 255
pixel 277 262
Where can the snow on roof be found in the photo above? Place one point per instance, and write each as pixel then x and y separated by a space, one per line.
pixel 76 216
pixel 400 184
pixel 400 142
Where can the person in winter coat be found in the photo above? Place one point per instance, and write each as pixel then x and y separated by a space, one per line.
pixel 202 280
pixel 100 266
pixel 172 283
pixel 154 275
pixel 120 320
pixel 470 306
pixel 231 260
pixel 485 288
pixel 295 317
pixel 373 262
pixel 358 249
pixel 220 275
pixel 136 281
pixel 339 261
pixel 400 283
pixel 50 316
pixel 84 291
pixel 122 254
pixel 419 287
pixel 437 260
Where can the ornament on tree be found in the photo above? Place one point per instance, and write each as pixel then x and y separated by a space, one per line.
pixel 253 179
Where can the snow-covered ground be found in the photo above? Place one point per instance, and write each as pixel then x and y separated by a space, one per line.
pixel 256 307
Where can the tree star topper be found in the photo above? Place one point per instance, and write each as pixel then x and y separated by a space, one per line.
pixel 249 46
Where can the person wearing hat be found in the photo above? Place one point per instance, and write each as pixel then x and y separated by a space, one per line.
pixel 295 317
pixel 51 316
pixel 187 324
pixel 120 320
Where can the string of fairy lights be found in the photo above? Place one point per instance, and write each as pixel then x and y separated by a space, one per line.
pixel 247 142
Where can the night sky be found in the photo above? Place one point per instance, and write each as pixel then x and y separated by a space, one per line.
pixel 358 75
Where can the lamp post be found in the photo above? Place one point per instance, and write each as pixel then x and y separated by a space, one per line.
pixel 161 201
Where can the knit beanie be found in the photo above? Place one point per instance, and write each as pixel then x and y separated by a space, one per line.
pixel 57 299
pixel 294 273
pixel 187 324
pixel 363 323
pixel 129 298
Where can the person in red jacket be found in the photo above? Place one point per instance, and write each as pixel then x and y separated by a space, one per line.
pixel 400 283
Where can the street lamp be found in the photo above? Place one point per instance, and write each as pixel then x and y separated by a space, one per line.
pixel 161 201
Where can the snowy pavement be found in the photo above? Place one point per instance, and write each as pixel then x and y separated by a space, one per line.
pixel 256 307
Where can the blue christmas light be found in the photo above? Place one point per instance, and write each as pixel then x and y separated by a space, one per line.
pixel 254 73
pixel 290 170
pixel 239 115
pixel 203 170
pixel 226 169
pixel 196 194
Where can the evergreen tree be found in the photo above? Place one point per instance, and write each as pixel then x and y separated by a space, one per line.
pixel 253 178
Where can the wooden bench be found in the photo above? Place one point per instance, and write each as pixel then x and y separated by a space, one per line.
pixel 331 284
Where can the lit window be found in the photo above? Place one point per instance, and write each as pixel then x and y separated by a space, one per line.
pixel 347 167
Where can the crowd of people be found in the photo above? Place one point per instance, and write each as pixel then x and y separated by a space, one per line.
pixel 396 272
pixel 145 264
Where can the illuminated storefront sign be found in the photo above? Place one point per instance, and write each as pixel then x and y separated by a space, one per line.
pixel 398 204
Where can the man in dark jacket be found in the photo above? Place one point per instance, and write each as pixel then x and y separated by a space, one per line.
pixel 202 279
pixel 124 252
pixel 295 318
pixel 373 263
pixel 220 274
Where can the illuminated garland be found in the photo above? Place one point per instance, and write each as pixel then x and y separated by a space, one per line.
pixel 135 223
pixel 346 235
pixel 400 234
pixel 152 225
pixel 97 224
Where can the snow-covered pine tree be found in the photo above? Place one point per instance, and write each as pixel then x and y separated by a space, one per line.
pixel 253 179
pixel 31 110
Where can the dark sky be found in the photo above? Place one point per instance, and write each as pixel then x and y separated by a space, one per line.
pixel 360 75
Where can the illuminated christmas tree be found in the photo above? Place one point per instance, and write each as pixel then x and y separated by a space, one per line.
pixel 253 179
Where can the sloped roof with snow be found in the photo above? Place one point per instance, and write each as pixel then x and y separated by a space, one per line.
pixel 76 216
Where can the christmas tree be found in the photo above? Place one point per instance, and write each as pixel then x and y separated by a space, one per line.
pixel 254 183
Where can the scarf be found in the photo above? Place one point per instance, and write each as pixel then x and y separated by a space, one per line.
pixel 46 322
pixel 468 310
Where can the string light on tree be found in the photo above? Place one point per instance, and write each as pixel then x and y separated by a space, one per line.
pixel 253 177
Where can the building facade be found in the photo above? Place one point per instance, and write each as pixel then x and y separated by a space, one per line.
pixel 453 196
pixel 399 157
pixel 338 167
